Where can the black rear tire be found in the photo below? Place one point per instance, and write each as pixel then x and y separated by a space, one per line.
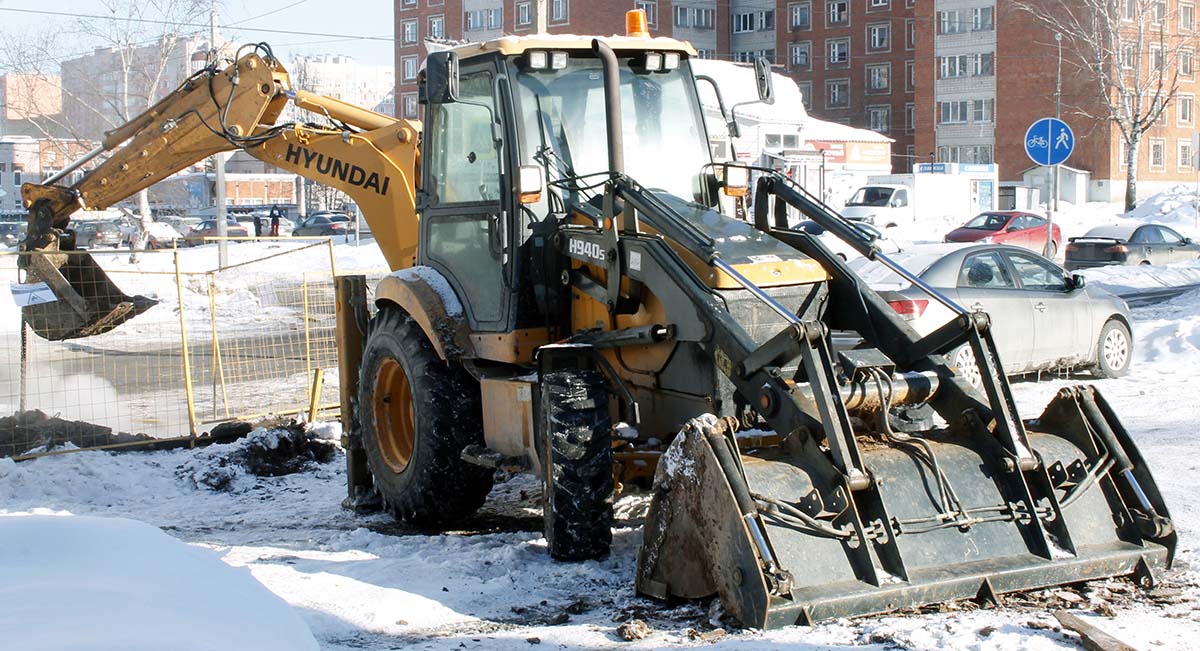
pixel 417 413
pixel 577 464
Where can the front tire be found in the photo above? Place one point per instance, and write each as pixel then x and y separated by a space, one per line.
pixel 417 414
pixel 577 464
pixel 1114 350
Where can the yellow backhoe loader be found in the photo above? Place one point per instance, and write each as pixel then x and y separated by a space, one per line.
pixel 561 262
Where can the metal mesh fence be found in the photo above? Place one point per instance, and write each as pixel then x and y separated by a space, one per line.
pixel 246 342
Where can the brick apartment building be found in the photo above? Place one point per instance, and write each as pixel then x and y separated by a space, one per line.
pixel 988 70
pixel 852 58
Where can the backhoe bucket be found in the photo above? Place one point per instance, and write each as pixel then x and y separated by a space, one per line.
pixel 87 302
pixel 946 515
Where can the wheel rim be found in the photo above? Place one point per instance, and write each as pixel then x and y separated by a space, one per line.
pixel 964 365
pixel 1116 349
pixel 392 405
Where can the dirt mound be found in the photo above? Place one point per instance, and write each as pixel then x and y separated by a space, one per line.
pixel 263 453
pixel 35 431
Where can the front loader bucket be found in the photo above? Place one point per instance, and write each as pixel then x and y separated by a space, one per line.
pixel 87 302
pixel 778 535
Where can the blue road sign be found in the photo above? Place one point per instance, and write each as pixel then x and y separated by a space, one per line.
pixel 1049 141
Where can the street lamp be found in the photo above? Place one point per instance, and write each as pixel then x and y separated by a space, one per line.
pixel 822 175
pixel 1047 249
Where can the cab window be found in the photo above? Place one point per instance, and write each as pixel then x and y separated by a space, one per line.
pixel 464 162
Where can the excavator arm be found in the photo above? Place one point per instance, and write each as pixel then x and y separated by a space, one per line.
pixel 368 155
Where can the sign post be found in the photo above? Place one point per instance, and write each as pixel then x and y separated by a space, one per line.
pixel 1049 142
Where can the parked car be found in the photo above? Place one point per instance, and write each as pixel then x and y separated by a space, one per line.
pixel 323 224
pixel 841 248
pixel 208 228
pixel 1116 245
pixel 94 234
pixel 162 235
pixel 11 233
pixel 1042 317
pixel 1010 227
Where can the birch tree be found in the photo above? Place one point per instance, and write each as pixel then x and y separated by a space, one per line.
pixel 1130 53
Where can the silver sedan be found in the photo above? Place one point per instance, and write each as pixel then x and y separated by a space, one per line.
pixel 1042 317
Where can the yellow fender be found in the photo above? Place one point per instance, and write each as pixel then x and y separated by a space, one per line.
pixel 425 294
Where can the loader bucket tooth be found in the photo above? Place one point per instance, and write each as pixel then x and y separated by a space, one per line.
pixel 908 539
pixel 88 303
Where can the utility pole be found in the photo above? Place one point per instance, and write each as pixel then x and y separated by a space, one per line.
pixel 218 162
pixel 1046 250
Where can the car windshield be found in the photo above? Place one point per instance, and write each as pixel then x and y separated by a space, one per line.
pixel 988 222
pixel 871 196
pixel 665 144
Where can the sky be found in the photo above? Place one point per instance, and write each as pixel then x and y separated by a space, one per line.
pixel 358 28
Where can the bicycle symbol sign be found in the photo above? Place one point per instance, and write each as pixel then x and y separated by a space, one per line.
pixel 1049 141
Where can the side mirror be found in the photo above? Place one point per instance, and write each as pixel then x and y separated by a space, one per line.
pixel 762 75
pixel 1188 240
pixel 441 77
pixel 1012 229
pixel 1078 281
pixel 529 183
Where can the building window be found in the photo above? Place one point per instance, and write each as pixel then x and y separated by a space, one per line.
pixel 1128 56
pixel 1157 60
pixel 558 10
pixel 1187 66
pixel 682 16
pixel 1184 107
pixel 703 18
pixel 437 26
pixel 952 112
pixel 910 34
pixel 408 102
pixel 800 16
pixel 837 93
pixel 837 12
pixel 981 19
pixel 743 23
pixel 408 30
pixel 879 118
pixel 408 68
pixel 1184 161
pixel 651 9
pixel 766 20
pixel 910 76
pixel 409 3
pixel 800 55
pixel 806 94
pixel 704 54
pixel 879 37
pixel 910 117
pixel 1160 11
pixel 953 66
pixel 838 51
pixel 524 14
pixel 1127 13
pixel 984 110
pixel 950 22
pixel 1158 154
pixel 985 64
pixel 879 78
pixel 879 4
pixel 1187 17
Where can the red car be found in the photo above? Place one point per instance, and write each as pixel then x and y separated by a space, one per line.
pixel 1010 227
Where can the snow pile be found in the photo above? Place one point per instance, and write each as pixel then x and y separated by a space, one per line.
pixel 95 583
pixel 1124 278
pixel 1174 207
pixel 1173 339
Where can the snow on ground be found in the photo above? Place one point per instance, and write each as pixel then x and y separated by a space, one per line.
pixel 364 582
pixel 85 582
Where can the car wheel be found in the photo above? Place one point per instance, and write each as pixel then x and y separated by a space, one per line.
pixel 1144 263
pixel 1053 250
pixel 962 361
pixel 842 256
pixel 1114 351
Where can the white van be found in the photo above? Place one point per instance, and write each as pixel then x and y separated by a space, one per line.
pixel 882 205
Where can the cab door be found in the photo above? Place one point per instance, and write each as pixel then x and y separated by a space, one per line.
pixel 463 220
pixel 1062 323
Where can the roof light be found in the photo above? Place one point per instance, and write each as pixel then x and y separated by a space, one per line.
pixel 654 61
pixel 538 60
pixel 670 60
pixel 558 60
pixel 636 24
